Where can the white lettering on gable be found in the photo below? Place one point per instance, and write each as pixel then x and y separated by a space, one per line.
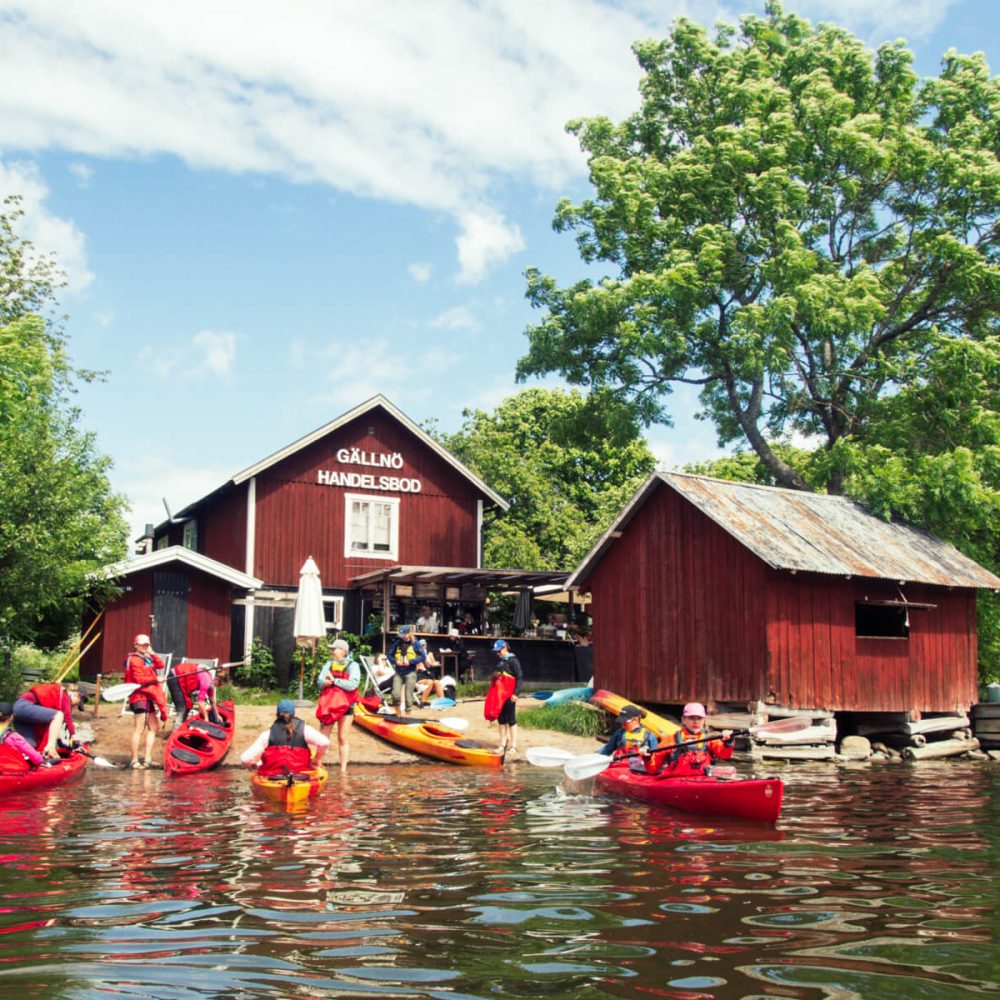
pixel 391 484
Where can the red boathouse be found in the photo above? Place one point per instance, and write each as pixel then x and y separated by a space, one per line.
pixel 730 593
pixel 365 492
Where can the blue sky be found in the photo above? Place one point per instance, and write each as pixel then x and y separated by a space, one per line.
pixel 268 213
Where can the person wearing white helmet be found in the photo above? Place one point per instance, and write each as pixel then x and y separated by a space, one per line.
pixel 338 683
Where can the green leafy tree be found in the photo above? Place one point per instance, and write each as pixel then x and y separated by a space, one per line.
pixel 793 223
pixel 566 462
pixel 59 519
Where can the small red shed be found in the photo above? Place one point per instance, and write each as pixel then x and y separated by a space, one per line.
pixel 367 490
pixel 730 593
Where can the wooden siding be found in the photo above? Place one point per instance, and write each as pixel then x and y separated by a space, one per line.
pixel 210 610
pixel 297 516
pixel 817 661
pixel 678 609
pixel 122 620
pixel 222 528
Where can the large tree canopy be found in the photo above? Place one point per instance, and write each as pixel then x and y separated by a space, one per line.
pixel 565 462
pixel 59 519
pixel 795 224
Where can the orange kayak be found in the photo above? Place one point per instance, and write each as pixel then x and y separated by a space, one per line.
pixel 424 736
pixel 613 703
pixel 291 790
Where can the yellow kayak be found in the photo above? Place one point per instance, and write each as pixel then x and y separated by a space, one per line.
pixel 295 789
pixel 662 728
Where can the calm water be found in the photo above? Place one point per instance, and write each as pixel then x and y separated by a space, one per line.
pixel 438 881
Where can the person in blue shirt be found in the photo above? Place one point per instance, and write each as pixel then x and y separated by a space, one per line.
pixel 632 736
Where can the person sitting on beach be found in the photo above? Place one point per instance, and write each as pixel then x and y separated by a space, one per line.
pixel 40 714
pixel 632 737
pixel 430 688
pixel 289 746
pixel 383 673
pixel 16 753
pixel 408 656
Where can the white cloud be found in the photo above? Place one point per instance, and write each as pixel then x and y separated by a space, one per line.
pixel 48 233
pixel 208 354
pixel 911 19
pixel 424 104
pixel 419 271
pixel 486 240
pixel 82 173
pixel 456 318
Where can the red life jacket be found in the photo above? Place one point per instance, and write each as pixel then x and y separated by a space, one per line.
pixel 49 696
pixel 11 759
pixel 188 680
pixel 285 753
pixel 695 759
pixel 334 701
pixel 140 670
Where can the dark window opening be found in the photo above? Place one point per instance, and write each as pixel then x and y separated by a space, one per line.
pixel 879 621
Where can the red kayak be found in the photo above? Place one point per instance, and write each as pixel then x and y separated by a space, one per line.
pixel 71 765
pixel 198 745
pixel 741 798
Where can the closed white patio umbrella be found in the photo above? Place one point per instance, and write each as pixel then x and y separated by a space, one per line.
pixel 309 626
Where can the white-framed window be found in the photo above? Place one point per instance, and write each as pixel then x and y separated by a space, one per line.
pixel 372 527
pixel 190 539
pixel 333 613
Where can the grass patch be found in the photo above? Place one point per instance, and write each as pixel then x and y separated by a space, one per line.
pixel 573 718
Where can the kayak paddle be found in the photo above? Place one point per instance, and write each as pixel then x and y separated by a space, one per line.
pixel 118 692
pixel 588 765
pixel 548 756
pixel 99 761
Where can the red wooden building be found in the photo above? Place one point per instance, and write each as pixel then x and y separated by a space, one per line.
pixel 367 490
pixel 729 593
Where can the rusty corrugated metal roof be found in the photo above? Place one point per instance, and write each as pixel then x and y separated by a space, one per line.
pixel 807 532
pixel 816 533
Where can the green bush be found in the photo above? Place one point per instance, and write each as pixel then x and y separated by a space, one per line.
pixel 260 670
pixel 574 718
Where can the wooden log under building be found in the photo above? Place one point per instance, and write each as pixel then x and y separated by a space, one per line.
pixel 940 748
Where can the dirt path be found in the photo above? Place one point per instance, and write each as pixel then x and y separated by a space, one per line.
pixel 112 733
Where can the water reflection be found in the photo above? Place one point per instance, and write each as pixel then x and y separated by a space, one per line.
pixel 430 881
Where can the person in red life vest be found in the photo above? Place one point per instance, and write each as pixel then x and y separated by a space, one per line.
pixel 16 753
pixel 505 685
pixel 632 737
pixel 408 657
pixel 694 759
pixel 288 747
pixel 149 707
pixel 338 684
pixel 183 685
pixel 40 714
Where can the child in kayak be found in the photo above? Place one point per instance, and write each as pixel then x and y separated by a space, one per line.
pixel 695 759
pixel 630 737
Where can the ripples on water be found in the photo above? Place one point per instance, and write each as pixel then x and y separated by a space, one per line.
pixel 445 882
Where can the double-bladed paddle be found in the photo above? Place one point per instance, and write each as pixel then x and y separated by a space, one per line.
pixel 99 761
pixel 590 764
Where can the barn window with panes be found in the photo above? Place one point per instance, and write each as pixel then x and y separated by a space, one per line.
pixel 190 540
pixel 372 527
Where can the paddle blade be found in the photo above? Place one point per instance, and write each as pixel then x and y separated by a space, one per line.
pixel 454 722
pixel 586 766
pixel 547 756
pixel 118 692
pixel 103 762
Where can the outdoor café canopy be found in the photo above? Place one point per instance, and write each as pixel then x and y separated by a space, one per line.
pixel 489 579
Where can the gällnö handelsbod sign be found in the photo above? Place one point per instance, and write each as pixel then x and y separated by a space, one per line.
pixel 358 480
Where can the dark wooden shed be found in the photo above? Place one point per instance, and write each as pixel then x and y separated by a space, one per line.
pixel 729 593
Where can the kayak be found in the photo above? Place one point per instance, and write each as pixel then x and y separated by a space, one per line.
pixel 70 766
pixel 739 798
pixel 614 703
pixel 565 695
pixel 427 737
pixel 198 745
pixel 295 789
